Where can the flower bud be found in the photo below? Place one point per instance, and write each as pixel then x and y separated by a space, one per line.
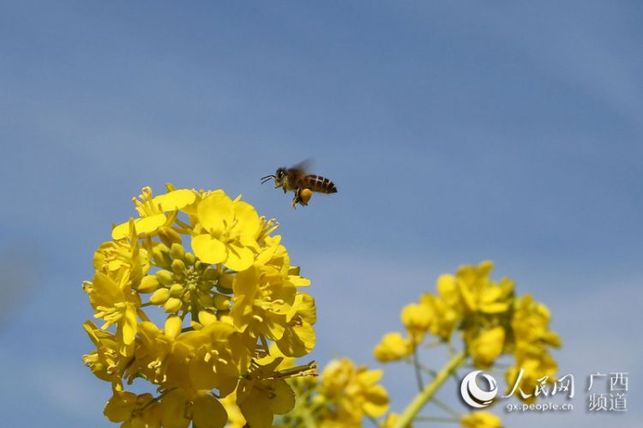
pixel 165 277
pixel 177 251
pixel 176 290
pixel 169 236
pixel 189 258
pixel 161 255
pixel 172 305
pixel 148 284
pixel 160 296
pixel 178 266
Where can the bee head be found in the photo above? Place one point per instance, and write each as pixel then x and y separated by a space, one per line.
pixel 280 174
pixel 279 177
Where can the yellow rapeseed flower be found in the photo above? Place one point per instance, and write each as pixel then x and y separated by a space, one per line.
pixel 479 293
pixel 417 319
pixel 392 347
pixel 480 420
pixel 152 211
pixel 486 345
pixel 350 392
pixel 227 231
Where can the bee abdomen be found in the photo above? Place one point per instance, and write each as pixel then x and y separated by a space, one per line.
pixel 319 184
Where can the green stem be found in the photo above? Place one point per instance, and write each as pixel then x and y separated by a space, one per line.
pixel 445 407
pixel 416 366
pixel 427 393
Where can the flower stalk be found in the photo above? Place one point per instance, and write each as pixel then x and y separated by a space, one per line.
pixel 424 396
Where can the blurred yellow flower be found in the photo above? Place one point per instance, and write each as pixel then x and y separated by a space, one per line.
pixel 480 420
pixel 492 322
pixel 351 392
pixel 486 346
pixel 417 320
pixel 530 325
pixel 392 347
pixel 446 314
pixel 134 410
pixel 479 293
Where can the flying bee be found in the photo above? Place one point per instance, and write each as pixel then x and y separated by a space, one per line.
pixel 298 180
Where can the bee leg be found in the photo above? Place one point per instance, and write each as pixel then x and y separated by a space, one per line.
pixel 297 199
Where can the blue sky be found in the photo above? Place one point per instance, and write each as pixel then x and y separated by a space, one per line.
pixel 455 132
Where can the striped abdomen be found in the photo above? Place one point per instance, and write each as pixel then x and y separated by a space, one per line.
pixel 319 184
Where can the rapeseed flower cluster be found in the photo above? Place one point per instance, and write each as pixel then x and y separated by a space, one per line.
pixel 191 297
pixel 342 397
pixel 490 320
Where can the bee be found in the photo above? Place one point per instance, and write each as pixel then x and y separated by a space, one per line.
pixel 297 179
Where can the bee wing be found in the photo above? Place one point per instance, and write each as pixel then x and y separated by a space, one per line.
pixel 300 169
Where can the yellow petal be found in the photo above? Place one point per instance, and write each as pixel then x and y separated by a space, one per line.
pixel 247 219
pixel 216 212
pixel 239 258
pixel 370 377
pixel 149 224
pixel 121 231
pixel 304 306
pixel 282 397
pixel 129 325
pixel 174 200
pixel 298 281
pixel 173 405
pixel 256 411
pixel 297 340
pixel 119 407
pixel 208 413
pixel 376 401
pixel 209 249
